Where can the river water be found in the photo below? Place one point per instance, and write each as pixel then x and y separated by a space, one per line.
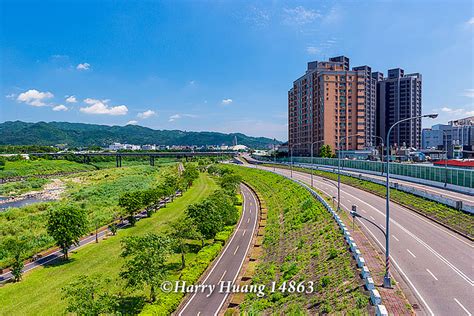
pixel 18 203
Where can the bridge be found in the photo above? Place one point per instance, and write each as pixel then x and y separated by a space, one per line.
pixel 152 155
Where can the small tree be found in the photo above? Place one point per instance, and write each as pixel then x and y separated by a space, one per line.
pixel 145 260
pixel 131 202
pixel 16 247
pixel 89 295
pixel 230 182
pixel 66 224
pixel 208 219
pixel 180 231
pixel 325 151
pixel 189 175
pixel 171 184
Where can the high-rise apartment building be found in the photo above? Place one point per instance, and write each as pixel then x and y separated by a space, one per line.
pixel 328 104
pixel 399 97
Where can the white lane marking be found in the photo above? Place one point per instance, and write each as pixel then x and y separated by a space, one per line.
pixel 383 227
pixel 241 262
pixel 395 238
pixel 411 253
pixel 364 211
pixel 465 309
pixel 236 250
pixel 349 201
pixel 199 313
pixel 434 277
pixel 248 221
pixel 372 217
pixel 219 259
pixel 243 234
pixel 222 276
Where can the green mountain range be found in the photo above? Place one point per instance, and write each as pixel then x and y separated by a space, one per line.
pixel 80 134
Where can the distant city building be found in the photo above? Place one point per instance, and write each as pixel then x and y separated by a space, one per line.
pixel 458 135
pixel 399 97
pixel 148 147
pixel 330 102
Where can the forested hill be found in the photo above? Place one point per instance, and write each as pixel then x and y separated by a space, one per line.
pixel 79 134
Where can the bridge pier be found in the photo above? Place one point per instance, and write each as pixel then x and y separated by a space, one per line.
pixel 152 160
pixel 118 161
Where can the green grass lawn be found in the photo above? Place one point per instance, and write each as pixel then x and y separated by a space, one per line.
pixel 41 167
pixel 97 192
pixel 459 220
pixel 301 243
pixel 40 291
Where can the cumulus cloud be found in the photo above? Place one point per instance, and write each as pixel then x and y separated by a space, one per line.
pixel 226 101
pixel 34 97
pixel 132 122
pixel 60 107
pixel 458 111
pixel 83 66
pixel 471 21
pixel 300 16
pixel 71 99
pixel 146 114
pixel 101 107
pixel 179 116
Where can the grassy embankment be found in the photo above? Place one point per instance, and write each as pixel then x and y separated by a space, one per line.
pixel 449 216
pixel 40 291
pixel 97 192
pixel 301 243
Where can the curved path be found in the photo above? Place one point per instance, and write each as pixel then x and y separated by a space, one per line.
pixel 436 263
pixel 227 266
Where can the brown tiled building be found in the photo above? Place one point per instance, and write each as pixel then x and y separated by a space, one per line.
pixel 330 102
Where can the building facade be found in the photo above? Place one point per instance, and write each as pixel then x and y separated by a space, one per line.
pixel 328 104
pixel 398 97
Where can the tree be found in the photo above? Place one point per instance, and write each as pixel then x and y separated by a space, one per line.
pixel 230 182
pixel 325 151
pixel 182 230
pixel 145 260
pixel 66 224
pixel 89 295
pixel 224 203
pixel 208 219
pixel 190 174
pixel 171 184
pixel 16 247
pixel 131 202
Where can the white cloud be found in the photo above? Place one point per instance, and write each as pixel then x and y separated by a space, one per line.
pixel 468 93
pixel 101 107
pixel 10 96
pixel 313 50
pixel 458 111
pixel 71 99
pixel 83 66
pixel 146 114
pixel 300 16
pixel 60 107
pixel 226 101
pixel 179 116
pixel 257 16
pixel 471 21
pixel 34 97
pixel 132 122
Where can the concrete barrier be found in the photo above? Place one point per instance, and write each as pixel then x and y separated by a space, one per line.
pixel 365 272
pixel 356 253
pixel 375 297
pixel 353 246
pixel 381 311
pixel 360 262
pixel 349 240
pixel 369 283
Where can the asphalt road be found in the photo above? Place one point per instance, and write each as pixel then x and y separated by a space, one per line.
pixel 437 264
pixel 227 266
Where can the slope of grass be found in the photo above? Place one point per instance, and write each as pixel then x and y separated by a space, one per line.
pixel 40 291
pixel 301 243
pixel 451 217
pixel 97 192
pixel 41 167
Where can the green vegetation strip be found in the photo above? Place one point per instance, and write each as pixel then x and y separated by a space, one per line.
pixel 301 243
pixel 445 215
pixel 40 291
pixel 22 168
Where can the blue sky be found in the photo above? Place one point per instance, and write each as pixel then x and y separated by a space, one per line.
pixel 218 65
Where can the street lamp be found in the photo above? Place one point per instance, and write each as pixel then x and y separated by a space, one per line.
pixel 312 155
pixel 446 159
pixel 381 143
pixel 291 163
pixel 339 170
pixel 387 280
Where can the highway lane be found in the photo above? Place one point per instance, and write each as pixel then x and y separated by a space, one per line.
pixel 227 266
pixel 436 263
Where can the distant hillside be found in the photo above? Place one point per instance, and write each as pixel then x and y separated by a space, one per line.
pixel 79 134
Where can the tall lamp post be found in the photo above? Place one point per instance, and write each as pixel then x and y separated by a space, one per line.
pixel 339 170
pixel 381 143
pixel 291 164
pixel 312 155
pixel 387 280
pixel 446 158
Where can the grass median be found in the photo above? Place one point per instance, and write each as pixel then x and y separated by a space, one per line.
pixel 40 291
pixel 451 217
pixel 301 243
